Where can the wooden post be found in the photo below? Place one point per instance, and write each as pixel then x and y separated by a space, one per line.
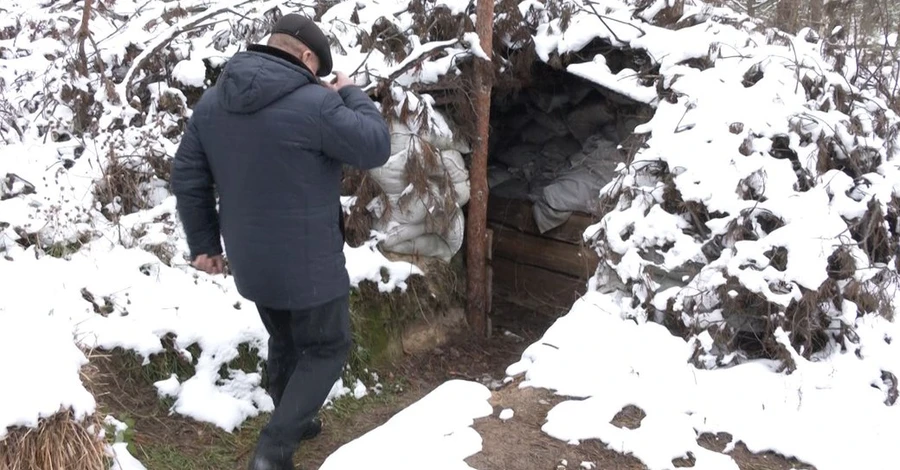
pixel 476 247
pixel 489 277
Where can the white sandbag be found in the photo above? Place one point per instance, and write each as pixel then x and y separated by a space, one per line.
pixel 626 127
pixel 455 166
pixel 497 176
pixel 577 94
pixel 534 133
pixel 588 118
pixel 547 218
pixel 402 138
pixel 463 192
pixel 429 244
pixel 517 121
pixel 392 175
pixel 512 189
pixel 526 172
pixel 553 123
pixel 519 155
pixel 415 210
pixel 609 132
pixel 600 157
pixel 559 148
pixel 547 101
pixel 408 230
pixel 576 191
pixel 395 233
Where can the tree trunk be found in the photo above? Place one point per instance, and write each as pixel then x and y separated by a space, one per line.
pixel 816 15
pixel 476 227
pixel 786 15
pixel 83 33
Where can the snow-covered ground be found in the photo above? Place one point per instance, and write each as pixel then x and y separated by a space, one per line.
pixel 95 282
pixel 606 362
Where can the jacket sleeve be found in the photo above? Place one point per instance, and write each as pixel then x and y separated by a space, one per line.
pixel 193 186
pixel 353 130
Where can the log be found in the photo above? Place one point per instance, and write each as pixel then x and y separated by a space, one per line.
pixel 476 259
pixel 535 287
pixel 572 260
pixel 518 215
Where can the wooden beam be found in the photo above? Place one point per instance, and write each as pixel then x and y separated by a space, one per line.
pixel 519 215
pixel 535 287
pixel 476 258
pixel 573 260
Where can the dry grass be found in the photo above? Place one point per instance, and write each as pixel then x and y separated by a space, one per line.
pixel 58 443
pixel 124 182
pixel 379 320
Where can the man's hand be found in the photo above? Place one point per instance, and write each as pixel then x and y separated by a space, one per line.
pixel 340 81
pixel 210 264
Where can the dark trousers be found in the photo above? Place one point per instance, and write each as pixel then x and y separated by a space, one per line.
pixel 307 351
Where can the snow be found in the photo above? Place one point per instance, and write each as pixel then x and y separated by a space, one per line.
pixel 191 73
pixel 123 460
pixel 788 414
pixel 436 429
pixel 47 340
pixel 103 284
pixel 624 82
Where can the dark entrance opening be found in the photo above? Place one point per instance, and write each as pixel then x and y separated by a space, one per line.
pixel 554 145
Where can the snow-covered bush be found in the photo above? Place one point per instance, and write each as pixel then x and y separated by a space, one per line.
pixel 763 195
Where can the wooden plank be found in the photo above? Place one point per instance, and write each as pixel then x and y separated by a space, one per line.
pixel 536 287
pixel 519 215
pixel 553 255
pixel 490 288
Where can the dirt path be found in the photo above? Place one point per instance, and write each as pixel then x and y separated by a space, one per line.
pixel 163 441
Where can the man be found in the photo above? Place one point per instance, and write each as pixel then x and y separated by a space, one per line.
pixel 270 139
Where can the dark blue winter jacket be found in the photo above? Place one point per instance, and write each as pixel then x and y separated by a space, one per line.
pixel 270 141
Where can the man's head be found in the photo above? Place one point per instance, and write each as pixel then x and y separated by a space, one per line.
pixel 299 36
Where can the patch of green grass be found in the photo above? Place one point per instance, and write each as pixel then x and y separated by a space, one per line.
pixel 248 361
pixel 66 249
pixel 158 455
pixel 345 407
pixel 379 319
pixel 63 250
pixel 221 450
pixel 127 436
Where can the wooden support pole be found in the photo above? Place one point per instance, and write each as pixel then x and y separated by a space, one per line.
pixel 476 227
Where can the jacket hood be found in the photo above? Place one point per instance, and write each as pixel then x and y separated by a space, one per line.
pixel 255 79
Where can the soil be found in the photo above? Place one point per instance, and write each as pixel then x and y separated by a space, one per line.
pixel 520 444
pixel 165 441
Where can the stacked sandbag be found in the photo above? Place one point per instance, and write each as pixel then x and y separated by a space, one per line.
pixel 558 154
pixel 413 223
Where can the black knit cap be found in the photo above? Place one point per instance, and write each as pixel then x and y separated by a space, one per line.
pixel 306 31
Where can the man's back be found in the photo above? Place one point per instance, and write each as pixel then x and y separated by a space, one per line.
pixel 274 141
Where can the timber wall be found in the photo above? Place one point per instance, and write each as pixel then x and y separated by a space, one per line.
pixel 533 269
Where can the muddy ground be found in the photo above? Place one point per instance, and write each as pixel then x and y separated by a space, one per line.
pixel 163 441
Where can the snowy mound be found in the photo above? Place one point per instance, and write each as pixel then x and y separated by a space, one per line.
pixel 47 341
pixel 606 363
pixel 763 194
